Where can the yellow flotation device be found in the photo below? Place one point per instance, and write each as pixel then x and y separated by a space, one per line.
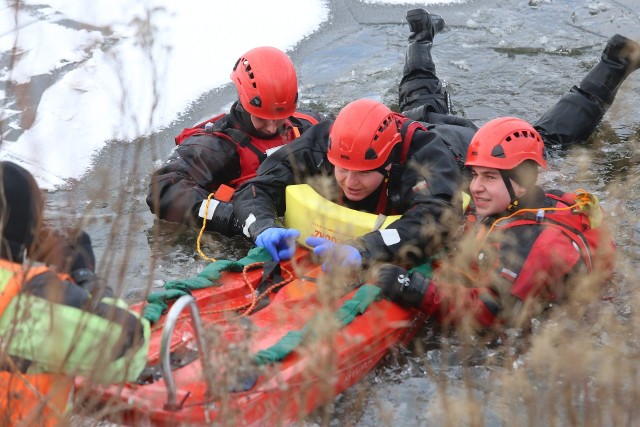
pixel 316 216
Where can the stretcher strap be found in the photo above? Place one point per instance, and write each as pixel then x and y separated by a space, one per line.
pixel 209 276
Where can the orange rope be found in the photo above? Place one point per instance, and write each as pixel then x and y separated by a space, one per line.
pixel 581 195
pixel 254 298
pixel 204 224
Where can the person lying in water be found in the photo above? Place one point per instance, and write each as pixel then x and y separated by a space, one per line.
pixel 227 149
pixel 388 163
pixel 530 245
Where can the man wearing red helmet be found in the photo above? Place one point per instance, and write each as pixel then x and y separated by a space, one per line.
pixel 382 162
pixel 528 244
pixel 229 148
pixel 387 163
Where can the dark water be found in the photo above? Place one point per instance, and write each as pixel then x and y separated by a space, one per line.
pixel 509 57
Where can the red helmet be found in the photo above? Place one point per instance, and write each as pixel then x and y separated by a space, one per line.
pixel 504 143
pixel 363 135
pixel 266 83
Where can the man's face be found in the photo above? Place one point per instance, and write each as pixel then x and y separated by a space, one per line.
pixel 357 185
pixel 265 126
pixel 489 191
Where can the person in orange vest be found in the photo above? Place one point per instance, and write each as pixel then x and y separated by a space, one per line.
pixel 57 321
pixel 227 150
pixel 529 244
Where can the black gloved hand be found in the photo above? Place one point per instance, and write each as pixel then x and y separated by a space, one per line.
pixel 398 287
pixel 66 249
pixel 88 281
pixel 82 262
pixel 80 253
pixel 71 252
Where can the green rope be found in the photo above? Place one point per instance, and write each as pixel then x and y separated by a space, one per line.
pixel 209 276
pixel 358 304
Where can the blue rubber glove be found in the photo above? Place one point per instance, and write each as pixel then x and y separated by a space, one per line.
pixel 335 255
pixel 279 242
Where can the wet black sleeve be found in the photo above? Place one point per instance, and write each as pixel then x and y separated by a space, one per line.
pixel 431 183
pixel 260 201
pixel 305 124
pixel 196 168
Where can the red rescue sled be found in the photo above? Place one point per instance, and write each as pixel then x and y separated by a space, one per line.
pixel 219 385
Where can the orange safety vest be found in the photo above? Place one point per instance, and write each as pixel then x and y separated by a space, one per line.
pixel 28 399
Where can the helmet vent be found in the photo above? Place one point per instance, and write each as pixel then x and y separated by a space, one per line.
pixel 498 151
pixel 384 125
pixel 370 154
pixel 248 70
pixel 520 134
pixel 256 101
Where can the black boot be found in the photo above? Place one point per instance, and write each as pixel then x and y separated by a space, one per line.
pixel 424 26
pixel 419 85
pixel 620 58
pixel 575 117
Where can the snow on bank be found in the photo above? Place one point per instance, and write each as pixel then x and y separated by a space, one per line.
pixel 129 67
